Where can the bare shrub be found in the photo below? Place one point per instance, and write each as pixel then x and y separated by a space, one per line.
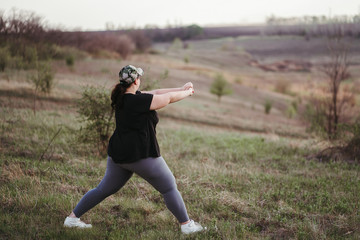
pixel 282 86
pixel 125 46
pixel 141 41
pixel 21 24
pixel 336 71
pixel 329 108
pixel 94 108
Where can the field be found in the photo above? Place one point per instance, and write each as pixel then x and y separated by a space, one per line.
pixel 242 173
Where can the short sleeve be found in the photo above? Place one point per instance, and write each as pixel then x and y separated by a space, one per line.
pixel 142 102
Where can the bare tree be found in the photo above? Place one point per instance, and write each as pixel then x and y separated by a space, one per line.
pixel 336 71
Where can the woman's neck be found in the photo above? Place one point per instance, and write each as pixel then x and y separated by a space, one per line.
pixel 131 90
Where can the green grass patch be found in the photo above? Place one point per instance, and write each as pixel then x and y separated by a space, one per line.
pixel 239 187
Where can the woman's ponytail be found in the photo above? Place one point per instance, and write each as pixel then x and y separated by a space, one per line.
pixel 117 95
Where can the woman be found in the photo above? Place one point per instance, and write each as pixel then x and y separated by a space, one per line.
pixel 133 148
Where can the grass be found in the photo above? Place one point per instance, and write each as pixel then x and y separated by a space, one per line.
pixel 239 187
pixel 242 173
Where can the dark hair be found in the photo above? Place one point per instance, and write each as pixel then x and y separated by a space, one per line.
pixel 117 95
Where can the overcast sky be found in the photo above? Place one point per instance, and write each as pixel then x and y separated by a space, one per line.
pixel 94 14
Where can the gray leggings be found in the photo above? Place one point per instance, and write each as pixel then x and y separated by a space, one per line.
pixel 153 170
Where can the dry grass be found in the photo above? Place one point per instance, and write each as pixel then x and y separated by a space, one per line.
pixel 241 173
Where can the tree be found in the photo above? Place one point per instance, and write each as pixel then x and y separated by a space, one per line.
pixel 336 71
pixel 326 111
pixel 42 79
pixel 220 87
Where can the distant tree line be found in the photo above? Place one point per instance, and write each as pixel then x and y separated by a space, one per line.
pixel 24 37
pixel 274 20
pixel 314 26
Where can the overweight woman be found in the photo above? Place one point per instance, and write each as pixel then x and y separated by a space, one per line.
pixel 133 148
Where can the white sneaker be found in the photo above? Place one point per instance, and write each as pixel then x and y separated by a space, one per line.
pixel 75 222
pixel 191 227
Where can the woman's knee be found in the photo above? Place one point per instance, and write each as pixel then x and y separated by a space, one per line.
pixel 106 191
pixel 168 185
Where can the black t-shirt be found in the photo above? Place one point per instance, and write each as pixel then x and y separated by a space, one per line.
pixel 135 135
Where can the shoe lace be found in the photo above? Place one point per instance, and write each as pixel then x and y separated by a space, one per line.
pixel 80 222
pixel 192 223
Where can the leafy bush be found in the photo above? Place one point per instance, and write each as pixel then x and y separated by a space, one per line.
pixel 267 106
pixel 4 58
pixel 94 108
pixel 30 57
pixel 220 87
pixel 62 52
pixel 70 61
pixel 315 115
pixel 43 78
pixel 291 111
pixel 186 59
pixel 346 147
pixel 352 146
pixel 177 44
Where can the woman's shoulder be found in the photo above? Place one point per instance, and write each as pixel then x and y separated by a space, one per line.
pixel 138 101
pixel 142 93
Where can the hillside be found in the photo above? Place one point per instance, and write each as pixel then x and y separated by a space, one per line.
pixel 242 173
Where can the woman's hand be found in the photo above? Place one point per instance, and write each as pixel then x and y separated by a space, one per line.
pixel 191 91
pixel 187 86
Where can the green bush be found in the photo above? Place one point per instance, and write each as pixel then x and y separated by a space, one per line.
pixel 27 58
pixel 43 78
pixel 177 44
pixel 16 63
pixel 70 61
pixel 220 87
pixel 30 58
pixel 352 146
pixel 94 108
pixel 267 106
pixel 294 104
pixel 315 115
pixel 62 52
pixel 186 59
pixel 4 58
pixel 291 111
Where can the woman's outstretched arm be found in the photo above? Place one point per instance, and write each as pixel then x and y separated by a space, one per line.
pixel 167 90
pixel 162 100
